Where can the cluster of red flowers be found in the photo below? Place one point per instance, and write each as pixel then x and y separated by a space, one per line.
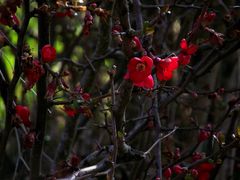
pixel 177 169
pixel 8 13
pixel 22 114
pixel 72 111
pixel 186 52
pixel 23 118
pixel 139 69
pixel 33 73
pixel 88 21
pixel 85 110
pixel 165 67
pixel 201 171
pixel 207 18
pixel 33 69
pixel 204 169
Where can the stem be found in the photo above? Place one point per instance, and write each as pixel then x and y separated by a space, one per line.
pixel 43 23
pixel 114 129
pixel 12 86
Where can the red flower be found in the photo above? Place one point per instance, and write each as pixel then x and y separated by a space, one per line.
pixel 10 21
pixel 15 20
pixel 177 153
pixel 33 74
pixel 86 96
pixel 165 68
pixel 140 69
pixel 148 83
pixel 29 140
pixel 203 135
pixel 88 21
pixel 174 63
pixel 194 172
pixel 23 113
pixel 204 170
pixel 186 52
pixel 137 43
pixel 178 169
pixel 167 173
pixel 197 156
pixel 71 112
pixel 208 18
pixel 48 53
pixel 74 160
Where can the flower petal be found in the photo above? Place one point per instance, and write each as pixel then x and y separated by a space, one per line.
pixel 192 49
pixel 183 44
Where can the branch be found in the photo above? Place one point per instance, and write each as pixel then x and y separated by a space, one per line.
pixel 159 140
pixel 12 86
pixel 36 154
pixel 114 128
pixel 171 6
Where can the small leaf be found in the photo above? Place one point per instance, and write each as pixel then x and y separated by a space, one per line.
pixel 148 29
pixel 238 131
pixel 120 134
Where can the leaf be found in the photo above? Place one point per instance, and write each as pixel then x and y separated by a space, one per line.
pixel 238 131
pixel 148 29
pixel 120 134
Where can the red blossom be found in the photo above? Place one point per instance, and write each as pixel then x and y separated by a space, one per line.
pixel 33 74
pixel 204 170
pixel 178 169
pixel 194 172
pixel 71 112
pixel 148 83
pixel 140 68
pixel 23 113
pixel 203 135
pixel 177 153
pixel 48 53
pixel 88 21
pixel 208 18
pixel 74 161
pixel 86 96
pixel 167 173
pixel 11 20
pixel 137 43
pixel 165 68
pixel 197 156
pixel 8 13
pixel 186 52
pixel 29 140
pixel 117 28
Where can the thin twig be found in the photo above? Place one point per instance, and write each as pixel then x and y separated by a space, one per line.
pixel 114 128
pixel 159 140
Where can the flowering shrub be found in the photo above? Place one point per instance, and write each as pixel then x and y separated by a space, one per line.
pixel 119 89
